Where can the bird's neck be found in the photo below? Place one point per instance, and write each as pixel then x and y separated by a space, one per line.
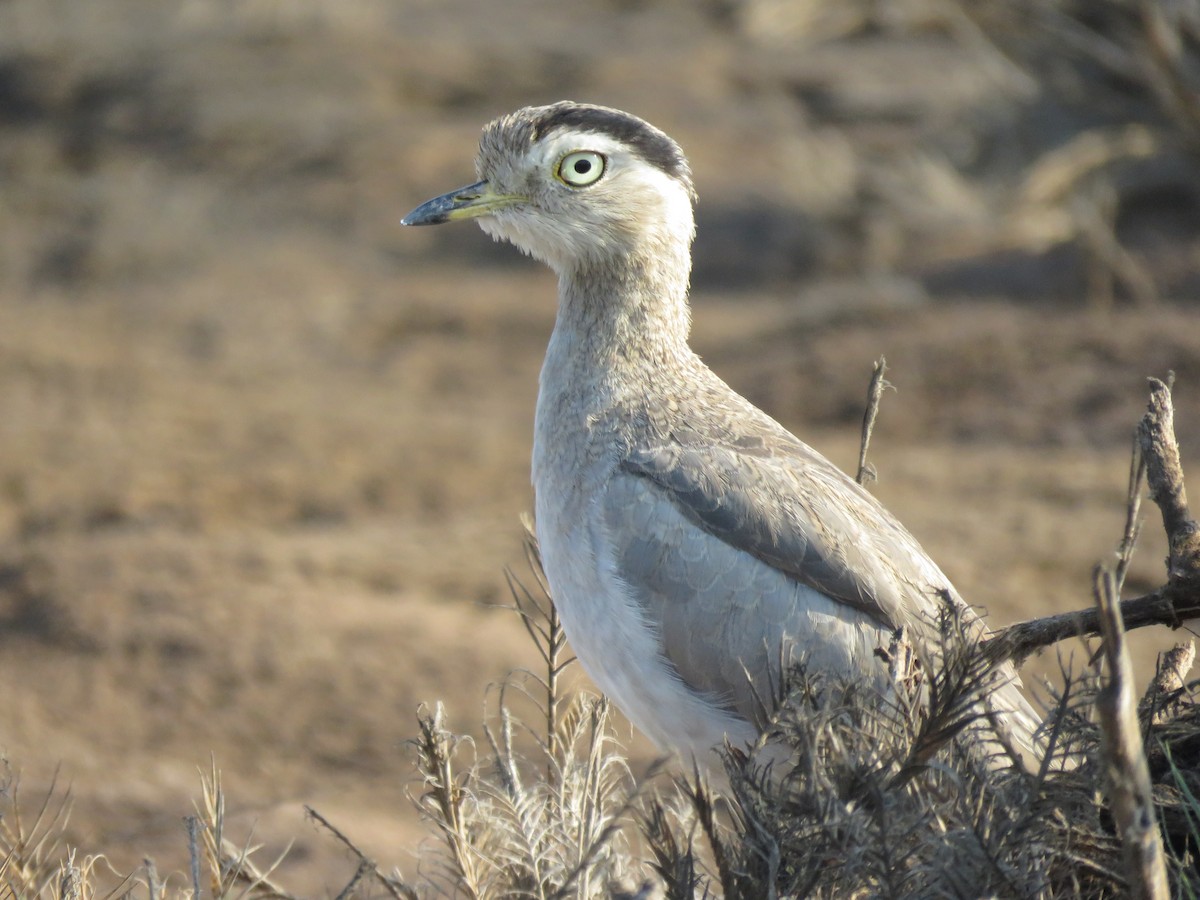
pixel 620 338
pixel 625 313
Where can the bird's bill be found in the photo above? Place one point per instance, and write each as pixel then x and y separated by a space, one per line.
pixel 470 202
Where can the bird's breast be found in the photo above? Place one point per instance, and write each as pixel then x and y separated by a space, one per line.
pixel 616 643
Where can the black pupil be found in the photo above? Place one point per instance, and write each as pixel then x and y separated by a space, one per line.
pixel 582 166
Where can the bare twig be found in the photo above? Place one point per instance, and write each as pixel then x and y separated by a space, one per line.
pixel 194 826
pixel 1017 642
pixel 1173 667
pixel 365 867
pixel 154 887
pixel 866 472
pixel 1164 475
pixel 1133 508
pixel 1128 772
pixel 236 861
pixel 396 888
pixel 1168 684
pixel 1171 603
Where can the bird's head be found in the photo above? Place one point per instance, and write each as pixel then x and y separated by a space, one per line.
pixel 575 185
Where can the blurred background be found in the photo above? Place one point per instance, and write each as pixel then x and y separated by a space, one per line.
pixel 263 452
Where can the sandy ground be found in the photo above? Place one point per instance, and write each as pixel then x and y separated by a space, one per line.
pixel 265 451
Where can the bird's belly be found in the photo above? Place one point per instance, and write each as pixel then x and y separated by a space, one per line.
pixel 619 649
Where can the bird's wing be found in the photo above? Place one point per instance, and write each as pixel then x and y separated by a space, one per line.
pixel 727 622
pixel 738 548
pixel 786 505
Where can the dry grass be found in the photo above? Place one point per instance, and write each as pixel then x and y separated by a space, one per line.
pixel 872 796
pixel 847 792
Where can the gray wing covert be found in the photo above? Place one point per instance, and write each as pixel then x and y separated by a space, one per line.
pixel 791 508
pixel 833 567
pixel 723 615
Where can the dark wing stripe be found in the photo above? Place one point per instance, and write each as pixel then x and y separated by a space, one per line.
pixel 738 498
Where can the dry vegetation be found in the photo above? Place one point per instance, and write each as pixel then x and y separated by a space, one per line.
pixel 263 454
pixel 882 796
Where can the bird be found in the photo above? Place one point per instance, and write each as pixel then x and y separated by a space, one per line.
pixel 692 544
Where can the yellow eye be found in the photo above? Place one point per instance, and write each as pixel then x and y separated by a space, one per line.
pixel 581 168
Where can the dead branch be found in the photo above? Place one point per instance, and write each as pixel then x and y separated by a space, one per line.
pixel 1164 476
pixel 1133 514
pixel 1169 682
pixel 1170 604
pixel 1128 773
pixel 366 865
pixel 866 471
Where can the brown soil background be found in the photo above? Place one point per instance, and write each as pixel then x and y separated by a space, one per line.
pixel 263 451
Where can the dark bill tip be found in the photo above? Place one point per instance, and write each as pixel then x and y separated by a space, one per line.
pixel 464 203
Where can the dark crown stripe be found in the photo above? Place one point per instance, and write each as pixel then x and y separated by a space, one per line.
pixel 650 144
